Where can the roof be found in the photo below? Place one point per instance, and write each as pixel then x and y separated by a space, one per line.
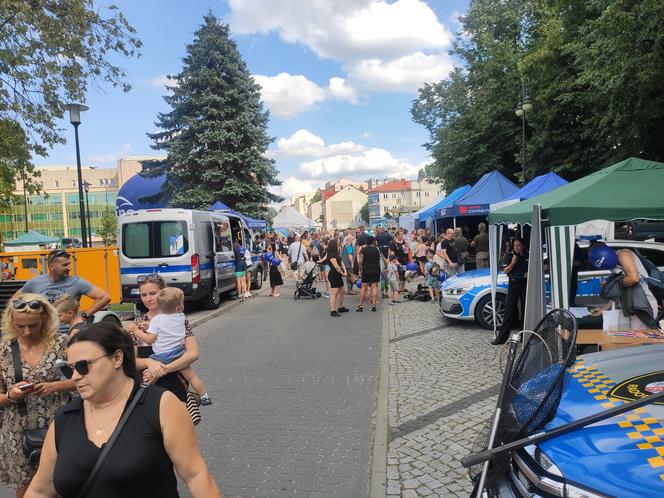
pixel 395 186
pixel 491 188
pixel 288 217
pixel 538 185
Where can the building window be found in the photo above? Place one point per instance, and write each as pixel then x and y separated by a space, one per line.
pixel 384 196
pixel 426 194
pixel 418 194
pixel 73 183
pixel 394 195
pixel 385 209
pixel 57 183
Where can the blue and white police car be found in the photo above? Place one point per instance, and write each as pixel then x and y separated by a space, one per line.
pixel 467 296
pixel 621 456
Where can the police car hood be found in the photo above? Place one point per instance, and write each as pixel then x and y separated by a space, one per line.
pixel 624 455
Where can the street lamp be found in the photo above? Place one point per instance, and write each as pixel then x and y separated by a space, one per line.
pixel 75 119
pixel 524 107
pixel 86 186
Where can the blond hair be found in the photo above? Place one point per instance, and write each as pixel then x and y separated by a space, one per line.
pixel 48 313
pixel 169 298
pixel 66 304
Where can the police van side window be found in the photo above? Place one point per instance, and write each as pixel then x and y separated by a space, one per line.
pixel 222 236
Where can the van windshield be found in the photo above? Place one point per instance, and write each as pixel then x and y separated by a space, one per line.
pixel 155 239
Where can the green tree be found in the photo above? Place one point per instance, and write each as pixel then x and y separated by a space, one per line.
pixel 364 213
pixel 50 51
pixel 108 229
pixel 215 133
pixel 15 163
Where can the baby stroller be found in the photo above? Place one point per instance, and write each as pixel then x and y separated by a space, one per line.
pixel 305 287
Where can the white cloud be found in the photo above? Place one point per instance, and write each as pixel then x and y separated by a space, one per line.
pixel 371 162
pixel 287 95
pixel 291 186
pixel 303 143
pixel 345 30
pixel 366 135
pixel 405 74
pixel 161 82
pixel 112 156
pixel 382 45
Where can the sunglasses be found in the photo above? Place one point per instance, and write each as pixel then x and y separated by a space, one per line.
pixel 57 254
pixel 20 304
pixel 152 277
pixel 81 366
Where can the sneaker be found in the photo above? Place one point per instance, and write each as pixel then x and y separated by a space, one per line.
pixel 334 313
pixel 326 295
pixel 343 309
pixel 206 401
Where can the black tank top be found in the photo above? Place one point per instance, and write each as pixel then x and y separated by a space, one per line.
pixel 138 465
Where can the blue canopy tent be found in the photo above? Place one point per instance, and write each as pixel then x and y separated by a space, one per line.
pixel 491 188
pixel 251 222
pixel 538 185
pixel 429 212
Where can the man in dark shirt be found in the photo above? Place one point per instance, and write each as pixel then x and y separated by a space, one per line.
pixel 517 270
pixel 383 238
pixel 361 238
pixel 447 250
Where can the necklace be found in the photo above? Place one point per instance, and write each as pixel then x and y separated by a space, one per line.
pixel 99 430
pixel 32 350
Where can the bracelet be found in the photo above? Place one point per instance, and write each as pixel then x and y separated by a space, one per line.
pixel 8 398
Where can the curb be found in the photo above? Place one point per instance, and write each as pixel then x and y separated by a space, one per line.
pixel 378 475
pixel 212 314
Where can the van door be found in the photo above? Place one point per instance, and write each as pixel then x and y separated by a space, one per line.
pixel 224 261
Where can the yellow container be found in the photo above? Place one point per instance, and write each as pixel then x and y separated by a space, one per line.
pixel 98 265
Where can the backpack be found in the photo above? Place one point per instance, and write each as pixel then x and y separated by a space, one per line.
pixel 434 271
pixel 655 278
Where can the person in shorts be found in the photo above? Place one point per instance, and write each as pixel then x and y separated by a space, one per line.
pixel 166 334
pixel 393 277
pixel 432 270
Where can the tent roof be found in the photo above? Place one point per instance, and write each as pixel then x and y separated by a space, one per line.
pixel 289 217
pixel 430 210
pixel 492 187
pixel 539 185
pixel 629 189
pixel 32 238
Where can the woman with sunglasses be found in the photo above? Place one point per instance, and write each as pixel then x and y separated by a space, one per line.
pixel 157 439
pixel 154 371
pixel 29 331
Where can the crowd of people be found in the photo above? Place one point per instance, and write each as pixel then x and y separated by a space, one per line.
pixel 72 391
pixel 347 259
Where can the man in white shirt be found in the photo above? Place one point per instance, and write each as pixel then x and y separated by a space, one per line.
pixel 297 255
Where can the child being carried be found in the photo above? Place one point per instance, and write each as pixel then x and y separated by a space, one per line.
pixel 166 334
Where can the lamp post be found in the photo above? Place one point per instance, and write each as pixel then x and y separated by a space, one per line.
pixel 86 187
pixel 75 119
pixel 524 107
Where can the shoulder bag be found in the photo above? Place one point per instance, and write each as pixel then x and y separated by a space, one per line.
pixel 293 265
pixel 32 440
pixel 103 456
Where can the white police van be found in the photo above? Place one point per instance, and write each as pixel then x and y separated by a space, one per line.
pixel 189 249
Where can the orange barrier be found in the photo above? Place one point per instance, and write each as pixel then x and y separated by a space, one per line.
pixel 98 265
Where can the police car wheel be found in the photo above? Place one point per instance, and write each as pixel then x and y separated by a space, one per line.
pixel 484 311
pixel 212 300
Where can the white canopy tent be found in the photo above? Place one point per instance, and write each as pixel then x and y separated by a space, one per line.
pixel 288 217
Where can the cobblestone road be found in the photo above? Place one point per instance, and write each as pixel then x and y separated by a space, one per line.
pixel 444 379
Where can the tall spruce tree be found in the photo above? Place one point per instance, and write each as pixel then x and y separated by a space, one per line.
pixel 215 134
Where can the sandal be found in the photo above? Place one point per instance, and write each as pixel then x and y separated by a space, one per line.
pixel 359 308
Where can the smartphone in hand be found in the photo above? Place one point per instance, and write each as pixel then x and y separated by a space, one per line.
pixel 27 387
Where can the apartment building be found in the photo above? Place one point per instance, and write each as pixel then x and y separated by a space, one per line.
pixel 400 197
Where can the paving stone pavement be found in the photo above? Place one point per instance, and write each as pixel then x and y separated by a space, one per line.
pixel 444 379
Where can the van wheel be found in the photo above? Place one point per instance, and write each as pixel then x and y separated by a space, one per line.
pixel 213 300
pixel 258 281
pixel 484 311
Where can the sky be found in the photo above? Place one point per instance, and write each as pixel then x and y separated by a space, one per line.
pixel 338 77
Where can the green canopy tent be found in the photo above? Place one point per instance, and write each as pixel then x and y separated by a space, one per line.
pixel 31 239
pixel 630 189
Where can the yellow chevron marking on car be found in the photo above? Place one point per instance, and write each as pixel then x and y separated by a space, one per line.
pixel 639 425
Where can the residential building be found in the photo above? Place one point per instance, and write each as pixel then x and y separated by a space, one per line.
pixel 315 212
pixel 342 208
pixel 400 196
pixel 301 201
pixel 55 212
pixel 342 183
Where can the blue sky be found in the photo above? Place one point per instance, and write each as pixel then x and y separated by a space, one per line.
pixel 338 77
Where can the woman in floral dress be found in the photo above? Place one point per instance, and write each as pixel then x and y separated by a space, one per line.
pixel 31 322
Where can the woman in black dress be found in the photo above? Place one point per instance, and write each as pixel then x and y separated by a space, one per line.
pixel 369 262
pixel 275 272
pixel 335 276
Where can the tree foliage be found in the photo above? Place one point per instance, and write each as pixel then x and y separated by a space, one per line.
pixel 108 230
pixel 50 51
pixel 15 163
pixel 593 71
pixel 215 133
